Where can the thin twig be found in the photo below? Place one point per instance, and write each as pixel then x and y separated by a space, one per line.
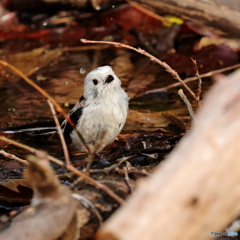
pixel 190 79
pixel 189 106
pixel 70 168
pixel 127 179
pixel 152 58
pixel 45 94
pixel 146 11
pixel 64 145
pixel 83 48
pixel 120 171
pixel 30 149
pixel 199 83
pixel 13 157
pixel 89 160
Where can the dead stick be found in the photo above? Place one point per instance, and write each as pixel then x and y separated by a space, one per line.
pixel 152 58
pixel 30 149
pixel 146 11
pixel 13 157
pixel 120 171
pixel 70 168
pixel 190 79
pixel 188 104
pixel 83 48
pixel 64 145
pixel 127 179
pixel 199 82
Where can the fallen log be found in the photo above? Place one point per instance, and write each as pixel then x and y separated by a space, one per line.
pixel 218 14
pixel 196 190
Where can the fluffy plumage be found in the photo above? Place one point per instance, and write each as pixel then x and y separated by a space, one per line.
pixel 100 113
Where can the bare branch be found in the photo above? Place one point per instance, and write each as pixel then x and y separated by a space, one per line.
pixel 152 58
pixel 13 157
pixel 64 145
pixel 199 82
pixel 190 79
pixel 146 11
pixel 188 104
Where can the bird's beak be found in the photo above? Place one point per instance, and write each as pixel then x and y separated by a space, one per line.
pixel 109 79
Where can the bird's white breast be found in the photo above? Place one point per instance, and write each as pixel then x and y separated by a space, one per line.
pixel 102 120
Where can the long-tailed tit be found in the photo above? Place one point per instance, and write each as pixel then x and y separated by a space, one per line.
pixel 100 113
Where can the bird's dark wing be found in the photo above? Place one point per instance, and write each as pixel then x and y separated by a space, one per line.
pixel 75 114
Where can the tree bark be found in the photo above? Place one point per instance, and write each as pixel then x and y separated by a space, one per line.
pixel 218 14
pixel 196 190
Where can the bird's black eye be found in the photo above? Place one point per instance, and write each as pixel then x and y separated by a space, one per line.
pixel 95 82
pixel 109 79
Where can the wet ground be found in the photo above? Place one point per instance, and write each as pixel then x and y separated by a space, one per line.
pixel 155 123
pixel 23 108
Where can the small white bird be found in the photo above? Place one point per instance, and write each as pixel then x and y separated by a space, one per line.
pixel 100 113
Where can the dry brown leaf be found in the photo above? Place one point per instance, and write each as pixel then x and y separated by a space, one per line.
pixel 148 120
pixel 30 62
pixel 139 84
pixel 123 67
pixel 14 183
pixel 234 44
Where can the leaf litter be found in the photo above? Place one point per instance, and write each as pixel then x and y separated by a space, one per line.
pixel 153 128
pixel 143 149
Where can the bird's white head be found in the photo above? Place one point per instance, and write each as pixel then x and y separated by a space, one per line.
pixel 100 82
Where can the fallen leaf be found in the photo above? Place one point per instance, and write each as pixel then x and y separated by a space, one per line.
pixel 144 120
pixel 30 62
pixel 13 184
pixel 139 85
pixel 234 44
pixel 208 59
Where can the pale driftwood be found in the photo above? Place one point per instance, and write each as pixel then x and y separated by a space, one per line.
pixel 218 14
pixel 196 190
